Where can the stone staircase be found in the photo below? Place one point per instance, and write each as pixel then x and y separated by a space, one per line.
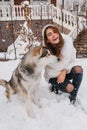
pixel 81 44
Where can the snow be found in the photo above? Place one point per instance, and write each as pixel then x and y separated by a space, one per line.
pixel 24 39
pixel 55 112
pixel 25 3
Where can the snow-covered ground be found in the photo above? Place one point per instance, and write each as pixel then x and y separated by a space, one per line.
pixel 56 112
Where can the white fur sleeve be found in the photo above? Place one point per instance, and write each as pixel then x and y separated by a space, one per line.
pixel 69 54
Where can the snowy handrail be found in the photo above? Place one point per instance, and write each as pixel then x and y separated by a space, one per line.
pixel 64 18
pixel 8 13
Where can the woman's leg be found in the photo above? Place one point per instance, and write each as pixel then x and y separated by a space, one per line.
pixel 77 74
pixel 55 86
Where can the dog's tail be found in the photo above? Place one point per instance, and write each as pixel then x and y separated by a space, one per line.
pixel 3 83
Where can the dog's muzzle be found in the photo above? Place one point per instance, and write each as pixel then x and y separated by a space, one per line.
pixel 45 52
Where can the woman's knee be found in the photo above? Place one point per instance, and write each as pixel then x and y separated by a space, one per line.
pixel 69 88
pixel 78 69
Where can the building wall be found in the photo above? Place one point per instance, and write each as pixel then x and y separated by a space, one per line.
pixel 17 2
pixel 53 2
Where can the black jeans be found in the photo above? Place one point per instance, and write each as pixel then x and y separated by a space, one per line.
pixel 71 78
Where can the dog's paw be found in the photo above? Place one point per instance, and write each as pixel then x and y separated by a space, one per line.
pixel 39 104
pixel 36 99
pixel 31 114
pixel 8 100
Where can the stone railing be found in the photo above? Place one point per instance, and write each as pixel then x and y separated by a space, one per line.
pixel 8 13
pixel 78 28
pixel 64 18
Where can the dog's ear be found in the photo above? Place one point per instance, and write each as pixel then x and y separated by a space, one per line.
pixel 37 50
pixel 40 46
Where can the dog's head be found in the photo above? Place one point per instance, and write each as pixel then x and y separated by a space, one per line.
pixel 42 55
pixel 40 52
pixel 37 58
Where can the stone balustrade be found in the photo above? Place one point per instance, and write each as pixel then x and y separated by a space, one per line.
pixel 62 17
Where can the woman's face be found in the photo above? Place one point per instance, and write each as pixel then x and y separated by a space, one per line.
pixel 52 36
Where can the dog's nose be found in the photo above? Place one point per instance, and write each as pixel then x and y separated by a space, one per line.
pixel 49 52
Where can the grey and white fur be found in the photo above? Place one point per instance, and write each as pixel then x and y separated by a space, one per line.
pixel 26 77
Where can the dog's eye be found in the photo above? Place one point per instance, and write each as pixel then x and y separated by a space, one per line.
pixel 44 53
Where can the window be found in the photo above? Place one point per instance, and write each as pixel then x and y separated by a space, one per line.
pixel 5 0
pixel 39 0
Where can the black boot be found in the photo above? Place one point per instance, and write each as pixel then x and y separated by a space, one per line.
pixel 54 89
pixel 76 83
pixel 72 96
pixel 51 88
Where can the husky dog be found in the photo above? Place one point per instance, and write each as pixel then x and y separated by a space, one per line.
pixel 26 77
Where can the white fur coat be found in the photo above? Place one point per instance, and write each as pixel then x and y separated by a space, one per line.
pixel 69 57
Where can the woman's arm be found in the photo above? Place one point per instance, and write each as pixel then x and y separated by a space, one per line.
pixel 61 76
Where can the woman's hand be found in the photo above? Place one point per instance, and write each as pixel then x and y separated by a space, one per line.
pixel 61 76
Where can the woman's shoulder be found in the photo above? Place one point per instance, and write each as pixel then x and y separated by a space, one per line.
pixel 67 40
pixel 66 37
pixel 68 49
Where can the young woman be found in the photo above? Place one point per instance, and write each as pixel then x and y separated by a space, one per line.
pixel 64 74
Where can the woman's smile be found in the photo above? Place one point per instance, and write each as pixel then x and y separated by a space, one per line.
pixel 53 37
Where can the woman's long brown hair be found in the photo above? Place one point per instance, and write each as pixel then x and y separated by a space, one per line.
pixel 57 50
